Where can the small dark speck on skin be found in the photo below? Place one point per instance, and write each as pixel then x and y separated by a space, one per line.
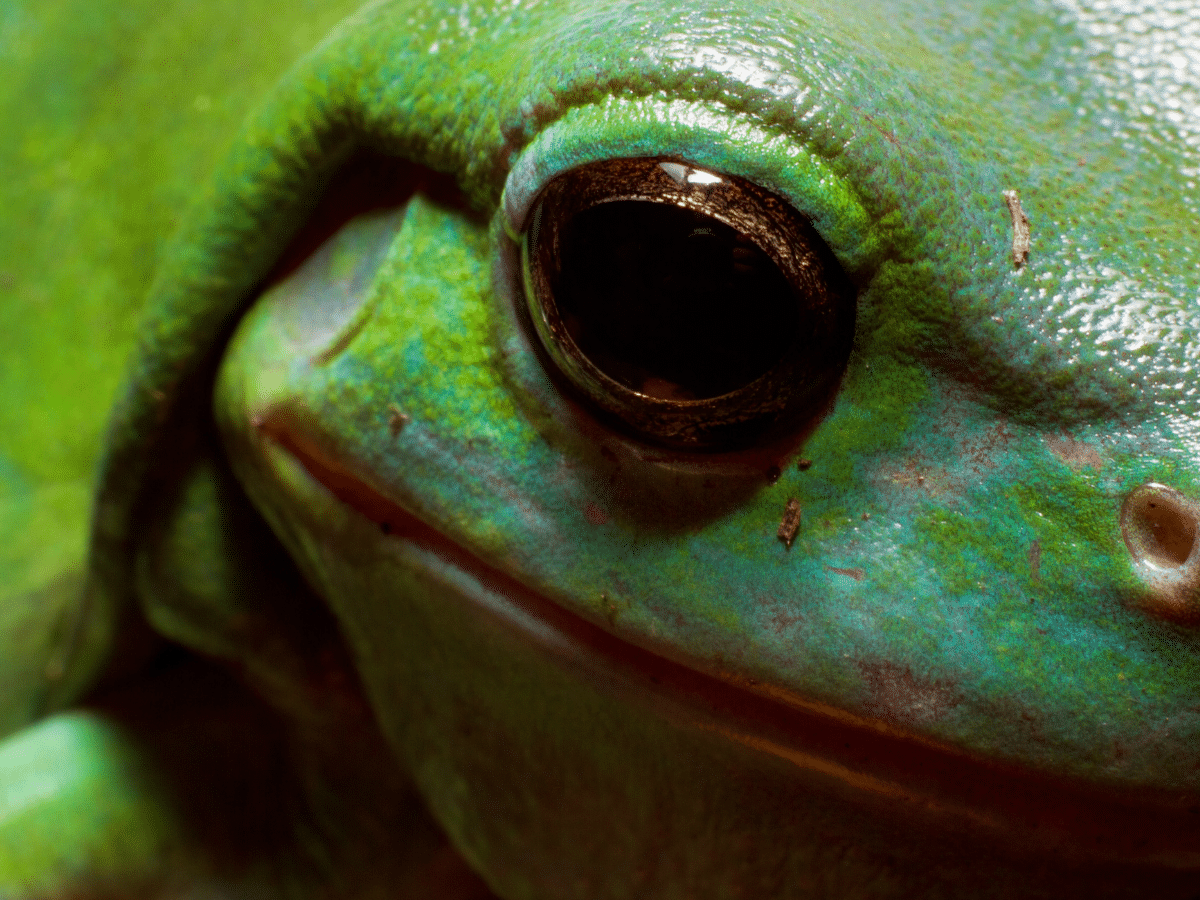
pixel 595 514
pixel 1035 559
pixel 790 523
pixel 1020 226
pixel 385 527
pixel 804 465
pixel 396 419
pixel 866 517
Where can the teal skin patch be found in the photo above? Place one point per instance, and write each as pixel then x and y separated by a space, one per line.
pixel 602 669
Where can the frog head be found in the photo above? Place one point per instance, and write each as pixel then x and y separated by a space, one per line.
pixel 920 615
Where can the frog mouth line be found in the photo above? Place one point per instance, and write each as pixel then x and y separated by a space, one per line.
pixel 998 804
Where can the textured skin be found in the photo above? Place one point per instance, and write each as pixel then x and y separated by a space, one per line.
pixel 1019 701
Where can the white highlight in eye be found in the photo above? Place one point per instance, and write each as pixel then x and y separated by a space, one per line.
pixel 683 174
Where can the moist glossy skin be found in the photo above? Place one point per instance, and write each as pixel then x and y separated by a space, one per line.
pixel 974 673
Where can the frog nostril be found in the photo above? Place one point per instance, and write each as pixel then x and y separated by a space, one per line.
pixel 1159 525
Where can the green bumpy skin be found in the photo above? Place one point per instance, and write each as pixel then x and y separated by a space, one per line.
pixel 482 642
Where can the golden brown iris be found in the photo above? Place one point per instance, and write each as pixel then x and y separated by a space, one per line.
pixel 698 309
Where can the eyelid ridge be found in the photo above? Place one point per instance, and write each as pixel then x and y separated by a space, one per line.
pixel 707 136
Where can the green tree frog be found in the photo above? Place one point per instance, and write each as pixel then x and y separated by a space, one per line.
pixel 600 449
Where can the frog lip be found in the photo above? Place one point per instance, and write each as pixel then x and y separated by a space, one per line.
pixel 901 777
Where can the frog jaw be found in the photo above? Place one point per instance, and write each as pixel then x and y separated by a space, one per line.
pixel 536 736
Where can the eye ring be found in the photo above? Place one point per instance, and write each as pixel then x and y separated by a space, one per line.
pixel 790 327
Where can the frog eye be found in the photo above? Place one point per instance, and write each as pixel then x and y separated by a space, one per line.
pixel 697 308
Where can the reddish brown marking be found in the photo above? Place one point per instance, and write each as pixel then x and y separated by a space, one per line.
pixel 982 451
pixel 888 135
pixel 856 573
pixel 902 698
pixel 1075 454
pixel 783 621
pixel 1035 560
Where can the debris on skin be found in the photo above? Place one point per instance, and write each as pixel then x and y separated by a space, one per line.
pixel 611 613
pixel 396 420
pixel 1035 559
pixel 1020 225
pixel 790 523
pixel 804 465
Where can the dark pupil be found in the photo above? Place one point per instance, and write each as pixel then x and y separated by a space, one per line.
pixel 670 302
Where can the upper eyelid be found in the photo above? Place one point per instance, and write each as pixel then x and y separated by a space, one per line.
pixel 710 137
